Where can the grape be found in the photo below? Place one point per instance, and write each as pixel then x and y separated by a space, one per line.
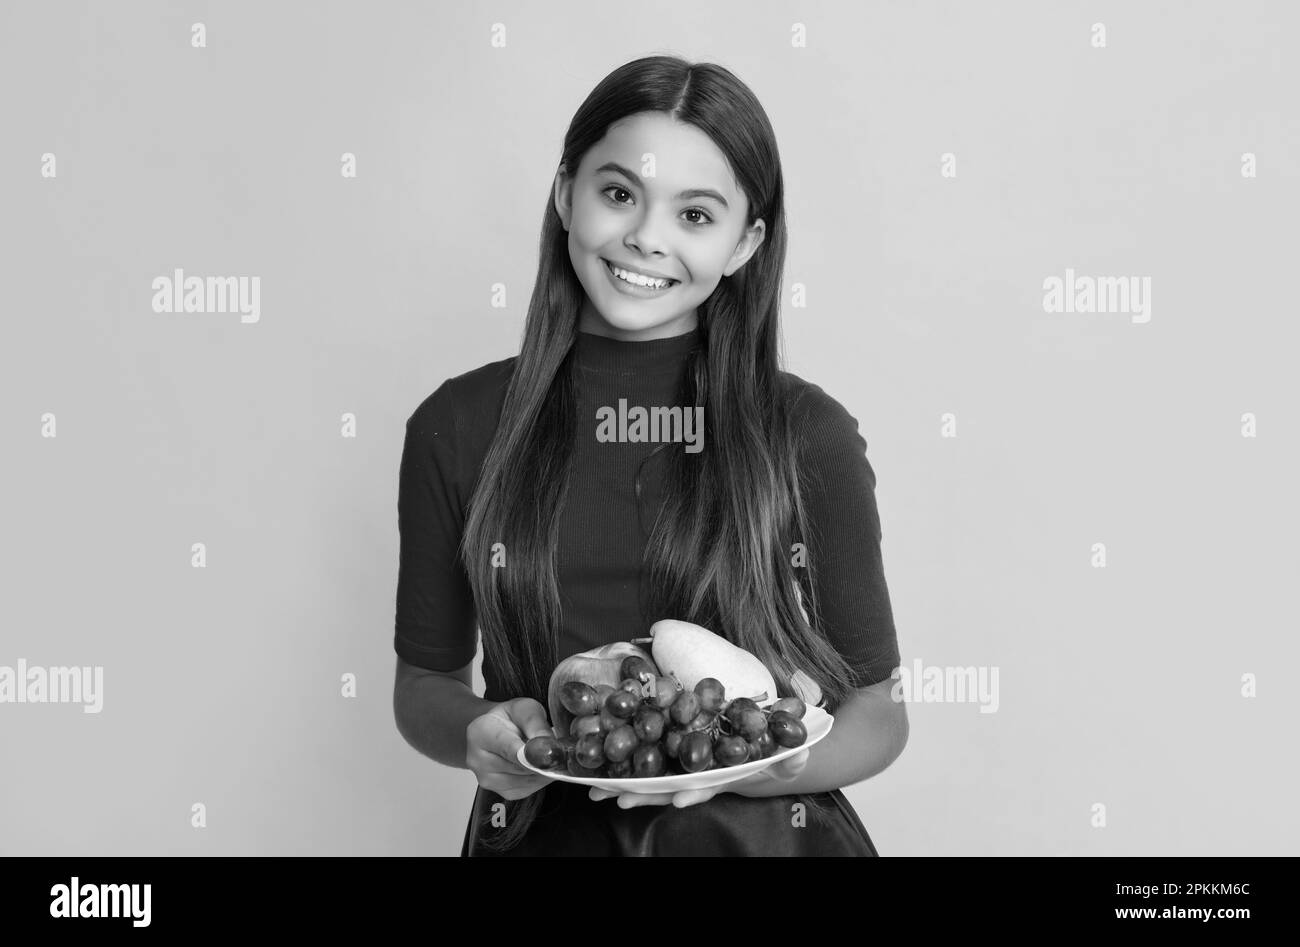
pixel 673 742
pixel 634 666
pixel 701 720
pixel 792 705
pixel 619 743
pixel 748 722
pixel 711 693
pixel 608 721
pixel 622 704
pixel 590 751
pixel 763 747
pixel 573 766
pixel 620 770
pixel 544 752
pixel 665 692
pixel 589 723
pixel 731 751
pixel 649 726
pixel 696 751
pixel 648 723
pixel 648 761
pixel 733 708
pixel 579 698
pixel 684 708
pixel 787 729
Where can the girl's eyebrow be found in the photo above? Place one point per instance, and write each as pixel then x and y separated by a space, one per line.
pixel 684 195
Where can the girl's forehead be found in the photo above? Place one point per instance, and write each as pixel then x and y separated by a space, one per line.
pixel 679 154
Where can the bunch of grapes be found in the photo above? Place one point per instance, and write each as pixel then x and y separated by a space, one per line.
pixel 651 726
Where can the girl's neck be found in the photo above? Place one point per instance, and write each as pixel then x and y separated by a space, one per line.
pixel 610 356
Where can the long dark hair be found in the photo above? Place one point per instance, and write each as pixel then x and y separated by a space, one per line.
pixel 720 551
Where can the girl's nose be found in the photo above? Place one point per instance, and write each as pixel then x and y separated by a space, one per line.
pixel 647 237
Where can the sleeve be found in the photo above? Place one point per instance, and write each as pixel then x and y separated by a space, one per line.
pixel 844 548
pixel 435 624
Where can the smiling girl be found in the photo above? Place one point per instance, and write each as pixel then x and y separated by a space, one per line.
pixel 662 252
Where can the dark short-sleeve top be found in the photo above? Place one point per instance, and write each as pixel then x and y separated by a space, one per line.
pixel 603 525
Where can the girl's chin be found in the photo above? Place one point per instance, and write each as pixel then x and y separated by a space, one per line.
pixel 635 322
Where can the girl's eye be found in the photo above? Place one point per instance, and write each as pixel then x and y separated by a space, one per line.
pixel 708 219
pixel 615 187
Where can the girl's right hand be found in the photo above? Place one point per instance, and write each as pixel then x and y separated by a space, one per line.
pixel 494 739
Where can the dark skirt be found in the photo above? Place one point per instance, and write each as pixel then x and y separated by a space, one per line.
pixel 570 823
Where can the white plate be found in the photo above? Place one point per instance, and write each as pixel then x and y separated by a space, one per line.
pixel 817 721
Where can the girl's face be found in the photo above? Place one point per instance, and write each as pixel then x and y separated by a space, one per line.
pixel 655 197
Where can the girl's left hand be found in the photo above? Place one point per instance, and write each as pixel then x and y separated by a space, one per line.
pixel 783 771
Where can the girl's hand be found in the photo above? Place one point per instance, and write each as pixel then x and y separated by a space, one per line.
pixel 783 771
pixel 494 739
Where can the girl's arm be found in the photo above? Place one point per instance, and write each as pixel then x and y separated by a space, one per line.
pixel 433 708
pixel 869 733
pixel 438 713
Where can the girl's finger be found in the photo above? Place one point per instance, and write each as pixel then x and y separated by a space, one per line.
pixel 790 768
pixel 691 797
pixel 505 745
pixel 507 762
pixel 505 784
pixel 598 794
pixel 630 800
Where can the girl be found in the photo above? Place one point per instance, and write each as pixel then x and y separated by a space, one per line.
pixel 662 250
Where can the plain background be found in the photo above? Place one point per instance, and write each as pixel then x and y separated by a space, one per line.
pixel 1119 686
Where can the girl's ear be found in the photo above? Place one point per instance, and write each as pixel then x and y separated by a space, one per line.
pixel 749 244
pixel 562 192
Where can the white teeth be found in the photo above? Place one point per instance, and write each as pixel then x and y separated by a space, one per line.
pixel 638 279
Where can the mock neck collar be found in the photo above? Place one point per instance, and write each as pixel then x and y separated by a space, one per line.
pixel 600 353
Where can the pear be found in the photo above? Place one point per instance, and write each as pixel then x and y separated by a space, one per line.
pixel 690 652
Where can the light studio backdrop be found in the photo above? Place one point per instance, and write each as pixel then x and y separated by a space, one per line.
pixel 1041 252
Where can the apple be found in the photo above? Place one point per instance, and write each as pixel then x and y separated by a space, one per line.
pixel 597 667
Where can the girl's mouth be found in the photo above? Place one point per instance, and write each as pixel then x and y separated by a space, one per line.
pixel 643 288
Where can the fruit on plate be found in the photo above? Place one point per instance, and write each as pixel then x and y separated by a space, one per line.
pixel 544 752
pixel 691 653
pixel 598 668
pixel 629 736
pixel 787 730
